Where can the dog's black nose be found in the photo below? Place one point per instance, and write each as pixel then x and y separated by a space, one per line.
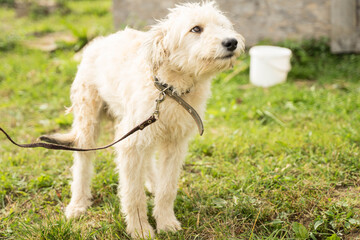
pixel 230 44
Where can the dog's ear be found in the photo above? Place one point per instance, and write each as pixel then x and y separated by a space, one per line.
pixel 154 47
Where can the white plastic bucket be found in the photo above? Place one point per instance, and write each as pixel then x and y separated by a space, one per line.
pixel 269 65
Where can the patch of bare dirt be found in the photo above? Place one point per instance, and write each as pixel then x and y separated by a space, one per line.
pixel 355 235
pixel 48 42
pixel 349 194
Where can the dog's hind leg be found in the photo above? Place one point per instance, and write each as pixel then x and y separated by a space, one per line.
pixel 86 108
pixel 150 175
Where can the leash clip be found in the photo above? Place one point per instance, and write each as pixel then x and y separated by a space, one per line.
pixel 159 100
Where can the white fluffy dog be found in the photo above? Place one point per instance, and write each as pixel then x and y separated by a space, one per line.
pixel 185 50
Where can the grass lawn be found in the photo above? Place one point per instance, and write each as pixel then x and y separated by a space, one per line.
pixel 277 163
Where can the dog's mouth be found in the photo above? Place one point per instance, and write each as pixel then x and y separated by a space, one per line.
pixel 226 56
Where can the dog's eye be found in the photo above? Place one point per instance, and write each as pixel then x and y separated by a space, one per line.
pixel 196 29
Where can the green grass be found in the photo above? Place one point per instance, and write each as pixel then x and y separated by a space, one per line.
pixel 277 163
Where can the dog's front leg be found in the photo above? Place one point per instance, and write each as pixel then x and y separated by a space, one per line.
pixel 169 166
pixel 130 161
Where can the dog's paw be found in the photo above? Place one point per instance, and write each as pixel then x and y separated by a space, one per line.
pixel 74 211
pixel 141 231
pixel 168 225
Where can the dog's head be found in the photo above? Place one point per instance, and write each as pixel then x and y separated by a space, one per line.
pixel 194 38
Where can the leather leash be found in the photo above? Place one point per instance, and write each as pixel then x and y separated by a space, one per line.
pixel 54 146
pixel 165 90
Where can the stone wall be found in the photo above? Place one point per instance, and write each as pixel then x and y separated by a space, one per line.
pixel 255 19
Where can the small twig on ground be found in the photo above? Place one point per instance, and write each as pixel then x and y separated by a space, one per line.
pixel 252 230
pixel 198 218
pixel 142 231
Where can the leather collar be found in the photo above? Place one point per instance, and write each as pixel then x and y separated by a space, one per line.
pixel 169 91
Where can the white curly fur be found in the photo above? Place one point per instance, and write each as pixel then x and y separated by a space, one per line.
pixel 116 73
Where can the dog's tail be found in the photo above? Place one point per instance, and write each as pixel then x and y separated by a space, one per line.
pixel 66 139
